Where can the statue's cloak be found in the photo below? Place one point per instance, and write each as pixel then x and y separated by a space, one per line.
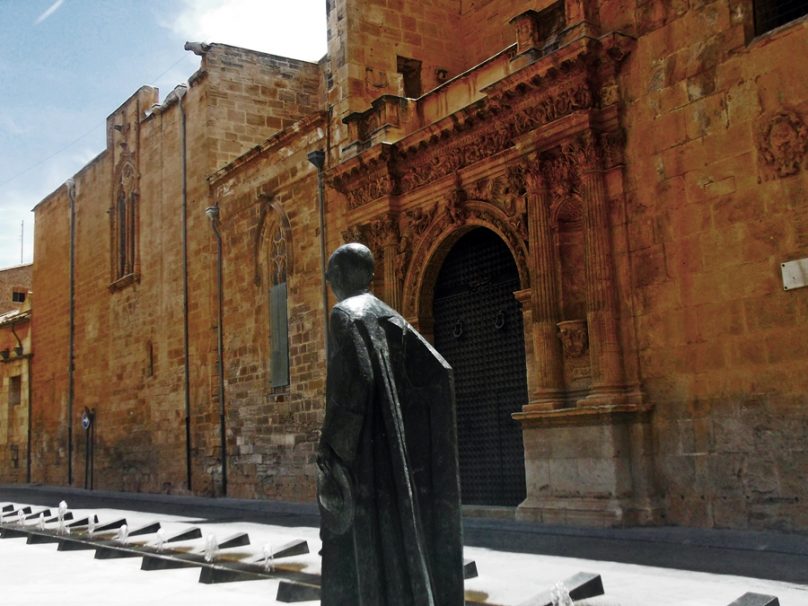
pixel 395 540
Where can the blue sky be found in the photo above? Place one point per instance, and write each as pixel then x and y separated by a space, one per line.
pixel 65 65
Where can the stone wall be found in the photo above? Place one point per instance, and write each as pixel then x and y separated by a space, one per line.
pixel 365 39
pixel 15 364
pixel 14 279
pixel 49 328
pixel 486 28
pixel 704 203
pixel 647 172
pixel 129 354
pixel 717 202
pixel 251 95
pixel 268 201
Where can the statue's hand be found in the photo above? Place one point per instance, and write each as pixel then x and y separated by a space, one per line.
pixel 325 456
pixel 334 492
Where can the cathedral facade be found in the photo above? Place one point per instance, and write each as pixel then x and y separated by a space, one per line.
pixel 589 207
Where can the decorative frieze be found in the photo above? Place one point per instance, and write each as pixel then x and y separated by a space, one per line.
pixel 494 136
pixel 353 234
pixel 382 233
pixel 541 93
pixel 365 179
pixel 416 222
pixel 504 190
pixel 455 213
pixel 375 186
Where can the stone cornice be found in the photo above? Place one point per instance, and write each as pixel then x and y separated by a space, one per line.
pixel 583 415
pixel 545 70
pixel 365 177
pixel 578 77
pixel 277 141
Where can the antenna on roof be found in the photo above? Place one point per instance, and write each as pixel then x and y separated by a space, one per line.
pixel 22 238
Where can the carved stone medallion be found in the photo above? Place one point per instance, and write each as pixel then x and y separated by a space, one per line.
pixel 782 143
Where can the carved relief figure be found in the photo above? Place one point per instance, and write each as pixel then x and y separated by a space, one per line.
pixel 416 222
pixel 454 213
pixel 782 142
pixel 574 337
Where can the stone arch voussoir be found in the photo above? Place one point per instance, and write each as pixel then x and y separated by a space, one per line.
pixel 436 242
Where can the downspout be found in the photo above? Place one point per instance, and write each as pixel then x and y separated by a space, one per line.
pixel 318 159
pixel 19 350
pixel 29 441
pixel 213 214
pixel 71 195
pixel 186 378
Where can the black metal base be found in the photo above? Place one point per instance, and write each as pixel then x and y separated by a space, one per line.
pixel 756 599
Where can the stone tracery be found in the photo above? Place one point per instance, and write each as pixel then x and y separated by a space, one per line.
pixel 124 220
pixel 272 227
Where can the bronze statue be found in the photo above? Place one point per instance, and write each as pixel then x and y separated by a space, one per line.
pixel 388 483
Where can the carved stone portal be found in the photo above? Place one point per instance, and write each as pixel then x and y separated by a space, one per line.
pixel 550 195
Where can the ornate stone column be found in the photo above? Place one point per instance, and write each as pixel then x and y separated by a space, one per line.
pixel 548 380
pixel 384 240
pixel 604 342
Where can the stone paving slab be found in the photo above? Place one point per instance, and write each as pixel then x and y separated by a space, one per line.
pixel 38 574
pixel 511 569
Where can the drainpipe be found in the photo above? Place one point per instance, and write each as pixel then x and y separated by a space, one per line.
pixel 186 378
pixel 213 214
pixel 71 195
pixel 28 437
pixel 318 159
pixel 19 350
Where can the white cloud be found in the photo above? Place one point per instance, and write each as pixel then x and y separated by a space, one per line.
pixel 49 11
pixel 292 29
pixel 10 125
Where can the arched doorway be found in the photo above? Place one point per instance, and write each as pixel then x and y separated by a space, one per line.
pixel 478 329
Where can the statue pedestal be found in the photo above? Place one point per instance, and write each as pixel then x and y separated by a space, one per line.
pixel 589 466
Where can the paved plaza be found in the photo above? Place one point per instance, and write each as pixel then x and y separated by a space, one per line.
pixel 515 561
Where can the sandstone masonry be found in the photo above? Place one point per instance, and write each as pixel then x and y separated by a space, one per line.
pixel 644 162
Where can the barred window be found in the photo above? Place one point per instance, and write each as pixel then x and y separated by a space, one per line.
pixel 279 319
pixel 770 14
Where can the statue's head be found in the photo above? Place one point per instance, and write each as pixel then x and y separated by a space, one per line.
pixel 350 270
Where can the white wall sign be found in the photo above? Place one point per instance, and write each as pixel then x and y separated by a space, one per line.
pixel 795 274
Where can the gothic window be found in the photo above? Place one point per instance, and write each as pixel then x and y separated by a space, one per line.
pixel 770 14
pixel 121 235
pixel 124 226
pixel 279 320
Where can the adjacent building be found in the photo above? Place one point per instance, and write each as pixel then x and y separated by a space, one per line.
pixel 15 377
pixel 592 208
